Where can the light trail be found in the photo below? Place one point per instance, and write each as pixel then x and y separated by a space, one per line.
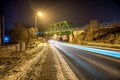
pixel 86 66
pixel 99 51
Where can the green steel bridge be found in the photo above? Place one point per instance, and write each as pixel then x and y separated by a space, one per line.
pixel 60 28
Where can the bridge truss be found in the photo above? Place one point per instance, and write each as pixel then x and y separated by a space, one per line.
pixel 60 28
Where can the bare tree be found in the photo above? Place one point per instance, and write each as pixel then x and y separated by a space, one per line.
pixel 19 32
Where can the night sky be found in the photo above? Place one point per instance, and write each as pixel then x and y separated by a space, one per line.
pixel 77 11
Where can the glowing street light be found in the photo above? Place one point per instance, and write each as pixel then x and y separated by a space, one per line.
pixel 38 14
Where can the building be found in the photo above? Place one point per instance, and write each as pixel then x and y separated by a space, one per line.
pixel 2 26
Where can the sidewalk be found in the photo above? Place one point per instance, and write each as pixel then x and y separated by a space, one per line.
pixel 51 66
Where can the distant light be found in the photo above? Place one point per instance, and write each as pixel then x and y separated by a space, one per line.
pixel 6 39
pixel 46 32
pixel 55 36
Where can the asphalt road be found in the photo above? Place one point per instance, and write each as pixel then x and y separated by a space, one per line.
pixel 89 65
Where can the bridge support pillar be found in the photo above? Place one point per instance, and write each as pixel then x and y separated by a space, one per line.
pixel 70 38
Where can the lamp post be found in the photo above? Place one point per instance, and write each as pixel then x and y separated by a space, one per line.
pixel 38 14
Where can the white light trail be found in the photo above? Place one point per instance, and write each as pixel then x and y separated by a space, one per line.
pixel 99 51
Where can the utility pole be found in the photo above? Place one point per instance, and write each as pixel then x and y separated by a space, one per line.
pixel 2 30
pixel 37 14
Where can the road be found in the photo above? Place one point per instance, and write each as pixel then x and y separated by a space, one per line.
pixel 90 63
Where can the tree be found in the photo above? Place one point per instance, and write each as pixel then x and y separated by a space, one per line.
pixel 19 32
pixel 33 33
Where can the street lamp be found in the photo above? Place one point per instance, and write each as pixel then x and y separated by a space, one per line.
pixel 38 14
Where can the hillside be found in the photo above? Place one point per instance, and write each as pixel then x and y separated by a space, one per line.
pixel 95 32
